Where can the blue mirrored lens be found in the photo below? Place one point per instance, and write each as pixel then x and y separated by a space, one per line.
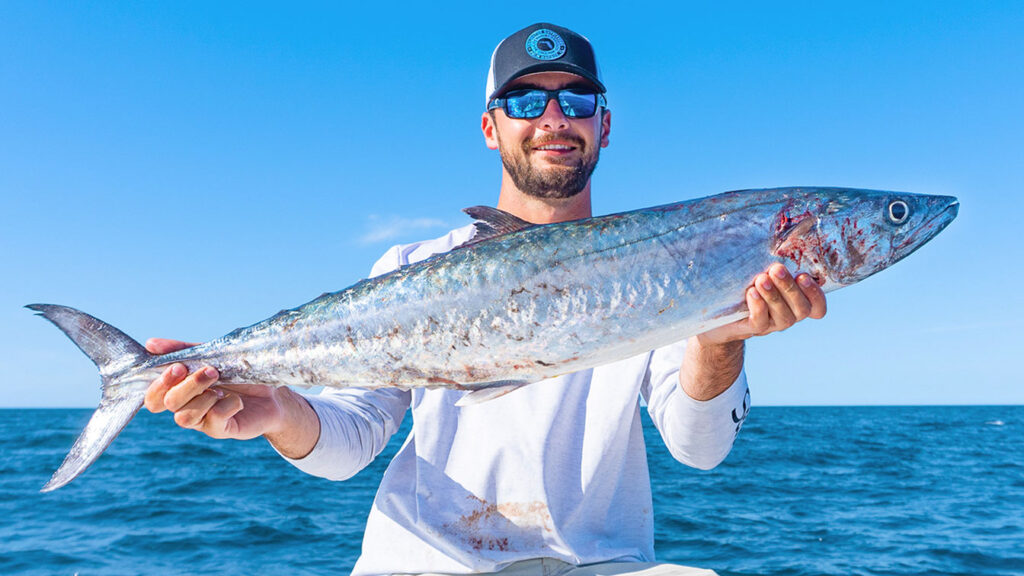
pixel 577 104
pixel 525 103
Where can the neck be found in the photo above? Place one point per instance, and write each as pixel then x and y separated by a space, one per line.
pixel 542 210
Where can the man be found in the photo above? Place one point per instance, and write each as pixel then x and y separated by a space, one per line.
pixel 547 478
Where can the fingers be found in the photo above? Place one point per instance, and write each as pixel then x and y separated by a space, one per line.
pixel 814 294
pixel 760 320
pixel 219 421
pixel 195 404
pixel 211 413
pixel 776 288
pixel 191 415
pixel 195 384
pixel 171 376
pixel 786 300
pixel 798 303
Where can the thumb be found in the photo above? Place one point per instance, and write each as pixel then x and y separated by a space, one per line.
pixel 163 345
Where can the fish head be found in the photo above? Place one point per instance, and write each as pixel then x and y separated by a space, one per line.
pixel 842 236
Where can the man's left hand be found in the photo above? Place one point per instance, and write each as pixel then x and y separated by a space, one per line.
pixel 776 301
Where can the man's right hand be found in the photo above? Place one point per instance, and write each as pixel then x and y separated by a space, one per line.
pixel 238 411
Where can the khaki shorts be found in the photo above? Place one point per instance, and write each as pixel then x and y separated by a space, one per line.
pixel 552 567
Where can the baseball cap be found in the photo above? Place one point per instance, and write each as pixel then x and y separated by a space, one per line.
pixel 541 47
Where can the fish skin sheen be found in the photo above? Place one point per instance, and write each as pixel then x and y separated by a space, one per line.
pixel 520 302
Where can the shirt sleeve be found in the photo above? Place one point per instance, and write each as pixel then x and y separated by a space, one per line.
pixel 355 423
pixel 698 433
pixel 355 426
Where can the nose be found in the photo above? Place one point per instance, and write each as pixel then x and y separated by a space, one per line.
pixel 553 119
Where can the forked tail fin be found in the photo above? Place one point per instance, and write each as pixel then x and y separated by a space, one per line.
pixel 114 353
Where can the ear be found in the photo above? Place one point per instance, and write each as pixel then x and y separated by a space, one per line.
pixel 606 127
pixel 490 130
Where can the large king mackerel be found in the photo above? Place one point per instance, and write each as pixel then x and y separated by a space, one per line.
pixel 520 302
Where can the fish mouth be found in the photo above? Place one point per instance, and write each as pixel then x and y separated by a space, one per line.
pixel 926 231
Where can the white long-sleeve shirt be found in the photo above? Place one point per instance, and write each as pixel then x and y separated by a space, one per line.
pixel 556 469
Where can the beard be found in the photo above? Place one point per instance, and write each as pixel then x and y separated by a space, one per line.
pixel 554 180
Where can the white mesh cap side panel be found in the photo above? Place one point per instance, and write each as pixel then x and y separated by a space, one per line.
pixel 490 77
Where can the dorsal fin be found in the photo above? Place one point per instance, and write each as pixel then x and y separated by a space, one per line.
pixel 492 222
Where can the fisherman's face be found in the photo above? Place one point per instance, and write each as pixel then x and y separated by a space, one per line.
pixel 550 156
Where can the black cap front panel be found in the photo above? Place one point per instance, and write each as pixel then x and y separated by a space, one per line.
pixel 541 47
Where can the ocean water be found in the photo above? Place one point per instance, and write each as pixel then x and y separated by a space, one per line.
pixel 806 491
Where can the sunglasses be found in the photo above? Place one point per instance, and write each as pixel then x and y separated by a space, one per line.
pixel 531 103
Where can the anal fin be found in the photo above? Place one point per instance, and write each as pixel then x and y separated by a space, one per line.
pixel 490 391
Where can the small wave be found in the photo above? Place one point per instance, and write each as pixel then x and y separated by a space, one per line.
pixel 904 500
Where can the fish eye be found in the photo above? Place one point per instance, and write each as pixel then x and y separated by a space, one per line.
pixel 898 211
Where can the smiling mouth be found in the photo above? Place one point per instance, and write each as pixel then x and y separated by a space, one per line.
pixel 554 148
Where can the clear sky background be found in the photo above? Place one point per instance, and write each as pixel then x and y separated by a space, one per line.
pixel 181 169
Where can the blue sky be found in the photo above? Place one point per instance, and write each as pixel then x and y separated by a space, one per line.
pixel 182 169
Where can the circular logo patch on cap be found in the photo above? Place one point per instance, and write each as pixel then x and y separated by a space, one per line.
pixel 545 44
